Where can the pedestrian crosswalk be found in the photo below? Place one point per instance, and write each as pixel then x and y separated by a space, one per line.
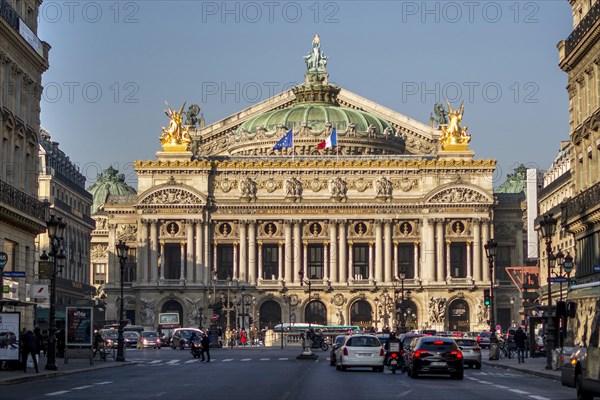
pixel 173 363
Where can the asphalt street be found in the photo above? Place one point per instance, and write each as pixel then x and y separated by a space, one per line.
pixel 271 373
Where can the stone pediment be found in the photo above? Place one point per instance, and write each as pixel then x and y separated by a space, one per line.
pixel 172 196
pixel 458 195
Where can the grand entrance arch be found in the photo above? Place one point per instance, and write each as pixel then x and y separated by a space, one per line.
pixel 315 313
pixel 270 314
pixel 361 314
pixel 458 316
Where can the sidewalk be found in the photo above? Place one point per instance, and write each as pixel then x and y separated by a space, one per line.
pixel 534 366
pixel 74 366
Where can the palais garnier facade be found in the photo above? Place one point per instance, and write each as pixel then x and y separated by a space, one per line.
pixel 314 205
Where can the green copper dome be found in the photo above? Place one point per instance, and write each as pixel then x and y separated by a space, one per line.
pixel 109 182
pixel 315 115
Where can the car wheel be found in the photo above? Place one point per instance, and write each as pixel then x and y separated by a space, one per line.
pixel 478 366
pixel 375 369
pixel 581 394
pixel 343 367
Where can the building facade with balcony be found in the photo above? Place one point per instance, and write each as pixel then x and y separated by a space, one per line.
pixel 317 202
pixel 23 59
pixel 579 57
pixel 62 186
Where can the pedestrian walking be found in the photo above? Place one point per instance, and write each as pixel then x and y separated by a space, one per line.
pixel 29 347
pixel 38 340
pixel 243 337
pixel 520 339
pixel 205 343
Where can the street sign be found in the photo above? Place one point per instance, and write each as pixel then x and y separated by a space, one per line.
pixel 14 274
pixel 558 279
pixel 596 268
pixel 215 317
pixel 3 259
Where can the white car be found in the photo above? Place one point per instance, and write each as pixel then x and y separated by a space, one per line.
pixel 360 350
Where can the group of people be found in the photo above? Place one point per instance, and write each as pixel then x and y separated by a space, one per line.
pixel 234 338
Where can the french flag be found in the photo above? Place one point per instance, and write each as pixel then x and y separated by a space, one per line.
pixel 329 142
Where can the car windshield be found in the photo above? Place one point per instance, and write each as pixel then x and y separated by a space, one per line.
pixel 466 343
pixel 437 345
pixel 363 341
pixel 130 334
pixel 339 339
pixel 484 334
pixel 149 335
pixel 111 334
pixel 187 334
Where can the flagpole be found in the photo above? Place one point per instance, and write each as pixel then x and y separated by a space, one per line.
pixel 293 155
pixel 337 148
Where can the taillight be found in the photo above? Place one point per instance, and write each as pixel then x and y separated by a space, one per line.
pixel 145 341
pixel 381 352
pixel 420 353
pixel 394 355
pixel 478 339
pixel 345 351
pixel 438 342
pixel 457 353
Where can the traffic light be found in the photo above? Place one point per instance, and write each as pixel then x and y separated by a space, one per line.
pixel 486 297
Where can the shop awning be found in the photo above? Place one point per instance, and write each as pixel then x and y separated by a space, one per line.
pixel 16 303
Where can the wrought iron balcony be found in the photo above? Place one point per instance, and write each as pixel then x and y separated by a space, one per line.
pixel 22 201
pixel 583 28
pixel 578 205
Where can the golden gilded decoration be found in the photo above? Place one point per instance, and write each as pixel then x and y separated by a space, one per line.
pixel 175 138
pixel 454 137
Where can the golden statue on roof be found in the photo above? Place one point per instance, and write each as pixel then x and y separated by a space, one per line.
pixel 175 137
pixel 454 137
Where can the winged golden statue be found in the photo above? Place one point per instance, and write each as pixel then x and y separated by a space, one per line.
pixel 175 137
pixel 455 137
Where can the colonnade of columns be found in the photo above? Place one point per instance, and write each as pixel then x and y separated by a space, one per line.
pixel 198 256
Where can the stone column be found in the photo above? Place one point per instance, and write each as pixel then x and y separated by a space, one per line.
pixel 207 252
pixel 243 250
pixel 440 249
pixel 416 260
pixel 427 251
pixel 448 266
pixel 201 267
pixel 485 228
pixel 280 261
pixel 288 253
pixel 396 260
pixel 342 251
pixel 190 264
pixel 387 245
pixel 297 255
pixel 325 262
pixel 214 259
pixel 236 270
pixel 469 264
pixel 113 260
pixel 379 252
pixel 153 251
pixel 371 275
pixel 305 260
pixel 252 252
pixel 476 250
pixel 162 261
pixel 350 261
pixel 260 264
pixel 143 252
pixel 182 261
pixel 333 262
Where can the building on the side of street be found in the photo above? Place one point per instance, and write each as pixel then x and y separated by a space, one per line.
pixel 62 186
pixel 579 57
pixel 314 205
pixel 23 60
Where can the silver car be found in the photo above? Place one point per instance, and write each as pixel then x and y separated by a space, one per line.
pixel 471 351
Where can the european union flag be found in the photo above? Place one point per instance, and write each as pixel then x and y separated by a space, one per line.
pixel 286 141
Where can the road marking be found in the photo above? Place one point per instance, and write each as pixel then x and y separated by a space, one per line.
pixel 518 391
pixel 155 362
pixel 404 393
pixel 82 387
pixel 246 359
pixel 103 383
pixel 486 382
pixel 501 386
pixel 57 393
pixel 191 361
pixel 264 359
pixel 538 397
pixel 227 359
pixel 172 362
pixel 283 359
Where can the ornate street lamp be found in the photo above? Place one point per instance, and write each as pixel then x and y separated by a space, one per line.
pixel 547 229
pixel 56 228
pixel 491 248
pixel 122 250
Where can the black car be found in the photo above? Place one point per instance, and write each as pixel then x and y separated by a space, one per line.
pixel 336 344
pixel 436 355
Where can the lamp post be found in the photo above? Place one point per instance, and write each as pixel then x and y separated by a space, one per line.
pixel 287 299
pixel 246 300
pixel 548 228
pixel 376 313
pixel 491 248
pixel 384 311
pixel 228 308
pixel 122 249
pixel 402 306
pixel 56 227
pixel 565 267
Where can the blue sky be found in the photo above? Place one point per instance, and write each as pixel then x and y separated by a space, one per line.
pixel 114 63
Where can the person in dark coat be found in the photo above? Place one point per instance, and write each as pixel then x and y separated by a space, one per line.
pixel 520 339
pixel 29 347
pixel 205 343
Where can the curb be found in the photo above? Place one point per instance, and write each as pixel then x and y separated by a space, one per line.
pixel 51 374
pixel 524 370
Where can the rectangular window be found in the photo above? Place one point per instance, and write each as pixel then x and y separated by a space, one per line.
pixel 130 266
pixel 360 261
pixel 270 259
pixel 315 261
pixel 406 259
pixel 458 260
pixel 99 274
pixel 224 261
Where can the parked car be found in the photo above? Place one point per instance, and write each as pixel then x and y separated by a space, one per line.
pixel 149 339
pixel 484 339
pixel 181 337
pixel 360 350
pixel 471 352
pixel 436 355
pixel 335 345
pixel 131 338
pixel 110 336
